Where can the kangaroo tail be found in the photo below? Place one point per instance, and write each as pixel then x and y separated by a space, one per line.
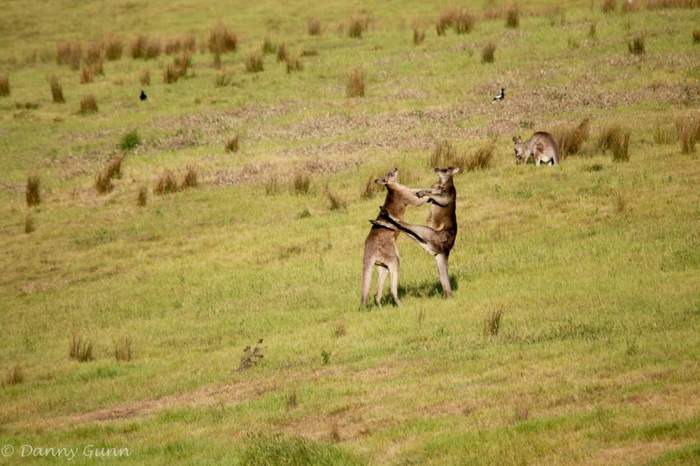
pixel 400 227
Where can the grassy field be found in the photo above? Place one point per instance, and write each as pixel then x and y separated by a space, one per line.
pixel 594 266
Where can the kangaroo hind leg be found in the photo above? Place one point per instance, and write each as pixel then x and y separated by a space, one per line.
pixel 382 272
pixel 441 260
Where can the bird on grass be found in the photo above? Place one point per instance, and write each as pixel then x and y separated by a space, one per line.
pixel 143 96
pixel 500 96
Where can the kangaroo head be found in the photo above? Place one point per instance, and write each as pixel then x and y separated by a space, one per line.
pixel 522 153
pixel 391 177
pixel 445 174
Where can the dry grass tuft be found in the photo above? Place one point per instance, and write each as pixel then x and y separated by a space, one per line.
pixel 88 104
pixel 122 350
pixel 335 432
pixel 142 199
pixel 294 64
pixel 190 179
pixel 29 226
pixel 14 376
pixel 87 75
pixel 636 46
pixel 172 73
pixel 32 191
pixel 335 202
pixel 570 139
pixel 166 183
pixel 418 36
pixel 488 53
pixel 521 412
pixel 608 6
pixel 292 400
pixel 313 27
pixel 371 188
pixel 615 139
pixel 340 330
pixel 460 20
pixel 254 63
pixel 56 90
pixel 301 183
pixel 696 36
pixel 80 349
pixel 103 183
pixel 114 167
pixel 154 48
pixel 272 186
pixel 222 40
pixel 664 134
pixel 69 53
pixel 619 201
pixel 355 86
pixel 282 53
pixel 492 323
pixel 223 79
pixel 444 155
pixel 113 48
pixel 137 48
pixel 233 144
pixel 4 85
pixel 95 53
pixel 145 78
pixel 480 159
pixel 688 130
pixel 357 26
pixel 268 47
pixel 512 17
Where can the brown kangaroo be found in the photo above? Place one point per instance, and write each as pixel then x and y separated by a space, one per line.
pixel 380 245
pixel 438 237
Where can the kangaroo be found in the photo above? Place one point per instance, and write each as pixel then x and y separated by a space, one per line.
pixel 380 245
pixel 438 237
pixel 541 146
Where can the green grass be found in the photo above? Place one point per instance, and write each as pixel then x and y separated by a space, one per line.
pixel 594 264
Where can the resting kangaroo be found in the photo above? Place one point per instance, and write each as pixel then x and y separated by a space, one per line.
pixel 380 245
pixel 541 146
pixel 439 235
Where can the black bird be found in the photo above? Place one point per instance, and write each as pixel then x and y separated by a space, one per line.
pixel 500 96
pixel 143 95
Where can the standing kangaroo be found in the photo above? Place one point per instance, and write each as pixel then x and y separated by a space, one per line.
pixel 380 245
pixel 438 237
pixel 541 146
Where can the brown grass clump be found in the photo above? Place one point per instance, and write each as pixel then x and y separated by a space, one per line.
pixel 313 27
pixel 492 323
pixel 233 144
pixel 570 139
pixel 616 139
pixel 607 137
pixel 302 183
pixel 294 64
pixel 137 48
pixel 173 45
pixel 166 183
pixel 80 349
pixel 14 376
pixel 142 199
pixel 88 104
pixel 171 74
pixel 122 350
pixel 418 36
pixel 4 85
pixel 272 186
pixel 608 6
pixel 460 20
pixel 696 36
pixel 444 155
pixel 113 48
pixel 56 90
pixel 87 75
pixel 178 68
pixel 488 53
pixel 309 53
pixel 335 202
pixel 95 53
pixel 636 46
pixel 145 78
pixel 190 179
pixel 355 86
pixel 292 400
pixel 371 188
pixel 619 201
pixel 29 224
pixel 268 47
pixel 223 79
pixel 664 134
pixel 512 17
pixel 282 53
pixel 69 53
pixel 254 63
pixel 480 159
pixel 620 148
pixel 153 49
pixel 222 40
pixel 114 167
pixel 357 26
pixel 32 192
pixel 688 130
pixel 103 183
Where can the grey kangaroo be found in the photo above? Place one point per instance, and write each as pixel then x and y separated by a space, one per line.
pixel 438 236
pixel 380 245
pixel 542 147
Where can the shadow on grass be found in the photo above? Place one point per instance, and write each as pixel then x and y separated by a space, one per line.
pixel 427 288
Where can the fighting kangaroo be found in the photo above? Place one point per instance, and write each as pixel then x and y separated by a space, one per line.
pixel 541 146
pixel 439 235
pixel 380 245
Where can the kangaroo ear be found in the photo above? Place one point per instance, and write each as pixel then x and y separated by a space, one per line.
pixel 455 170
pixel 436 170
pixel 380 181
